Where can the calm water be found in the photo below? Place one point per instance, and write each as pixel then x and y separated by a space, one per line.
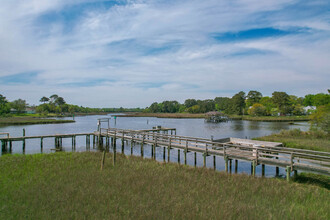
pixel 186 127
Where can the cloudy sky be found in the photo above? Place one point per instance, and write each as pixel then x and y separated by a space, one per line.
pixel 131 53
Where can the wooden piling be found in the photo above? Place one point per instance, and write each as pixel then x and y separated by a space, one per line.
pixel 10 146
pixel 195 159
pixel 102 161
pixel 132 146
pixel 214 163
pixel 288 170
pixel 164 154
pixel 114 154
pixel 262 170
pixel 23 140
pixel 254 165
pixel 142 150
pixel 41 143
pixel 230 165
pixel 178 156
pixel 236 166
pixel 226 164
pixel 204 159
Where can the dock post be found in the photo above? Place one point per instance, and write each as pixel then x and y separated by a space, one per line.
pixel 263 170
pixel 132 145
pixel 41 144
pixel 102 161
pixel 169 150
pixel 214 163
pixel 230 165
pixel 251 168
pixel 185 156
pixel 3 145
pixel 23 140
pixel 277 171
pixel 236 166
pixel 164 153
pixel 288 171
pixel 114 154
pixel 142 150
pixel 178 155
pixel 122 143
pixel 204 159
pixel 195 159
pixel 74 141
pixel 93 140
pixel 254 165
pixel 226 164
pixel 10 146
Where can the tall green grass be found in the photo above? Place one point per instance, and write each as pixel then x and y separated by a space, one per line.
pixel 72 186
pixel 311 140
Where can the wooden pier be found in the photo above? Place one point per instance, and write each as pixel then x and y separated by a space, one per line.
pixel 256 152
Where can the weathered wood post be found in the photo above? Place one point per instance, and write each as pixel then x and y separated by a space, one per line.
pixel 169 149
pixel 122 143
pixel 102 161
pixel 195 159
pixel 10 146
pixel 185 153
pixel 74 142
pixel 114 153
pixel 142 150
pixel 93 140
pixel 155 145
pixel 236 166
pixel 23 140
pixel 164 154
pixel 214 163
pixel 132 141
pixel 41 143
pixel 204 159
pixel 288 171
pixel 226 164
pixel 179 156
pixel 3 146
pixel 254 165
pixel 230 165
pixel 263 170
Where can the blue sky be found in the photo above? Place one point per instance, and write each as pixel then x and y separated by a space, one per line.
pixel 134 52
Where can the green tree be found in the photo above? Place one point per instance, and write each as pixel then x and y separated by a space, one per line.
pixel 4 105
pixel 282 100
pixel 190 102
pixel 19 105
pixel 257 109
pixel 253 97
pixel 238 103
pixel 321 118
pixel 44 99
pixel 59 101
pixel 222 103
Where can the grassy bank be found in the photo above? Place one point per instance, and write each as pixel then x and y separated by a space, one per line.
pixel 164 115
pixel 270 118
pixel 71 186
pixel 28 120
pixel 233 117
pixel 319 141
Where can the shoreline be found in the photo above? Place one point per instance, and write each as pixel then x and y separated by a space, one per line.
pixel 26 120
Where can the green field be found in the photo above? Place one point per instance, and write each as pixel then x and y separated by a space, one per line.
pixel 72 186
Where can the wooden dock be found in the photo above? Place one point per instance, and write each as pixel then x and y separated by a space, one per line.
pixel 256 152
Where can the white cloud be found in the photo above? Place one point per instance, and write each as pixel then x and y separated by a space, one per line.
pixel 165 43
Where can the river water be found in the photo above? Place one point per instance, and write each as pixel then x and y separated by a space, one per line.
pixel 185 127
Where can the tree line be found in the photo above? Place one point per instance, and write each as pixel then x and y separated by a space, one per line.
pixel 54 104
pixel 253 103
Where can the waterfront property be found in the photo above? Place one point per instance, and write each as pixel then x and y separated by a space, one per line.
pixel 232 150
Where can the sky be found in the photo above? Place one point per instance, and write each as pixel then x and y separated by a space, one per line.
pixel 132 53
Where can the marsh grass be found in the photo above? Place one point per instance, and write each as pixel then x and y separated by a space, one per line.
pixel 311 140
pixel 27 120
pixel 71 186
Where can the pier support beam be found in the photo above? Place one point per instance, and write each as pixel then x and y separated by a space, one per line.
pixel 263 170
pixel 288 171
pixel 214 163
pixel 195 159
pixel 254 166
pixel 226 164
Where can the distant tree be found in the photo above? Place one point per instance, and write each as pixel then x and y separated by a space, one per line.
pixel 321 118
pixel 282 100
pixel 309 100
pixel 321 99
pixel 190 102
pixel 238 103
pixel 253 97
pixel 59 101
pixel 257 109
pixel 4 106
pixel 222 103
pixel 53 98
pixel 19 105
pixel 44 99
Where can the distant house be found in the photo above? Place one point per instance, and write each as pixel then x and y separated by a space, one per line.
pixel 30 110
pixel 309 109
